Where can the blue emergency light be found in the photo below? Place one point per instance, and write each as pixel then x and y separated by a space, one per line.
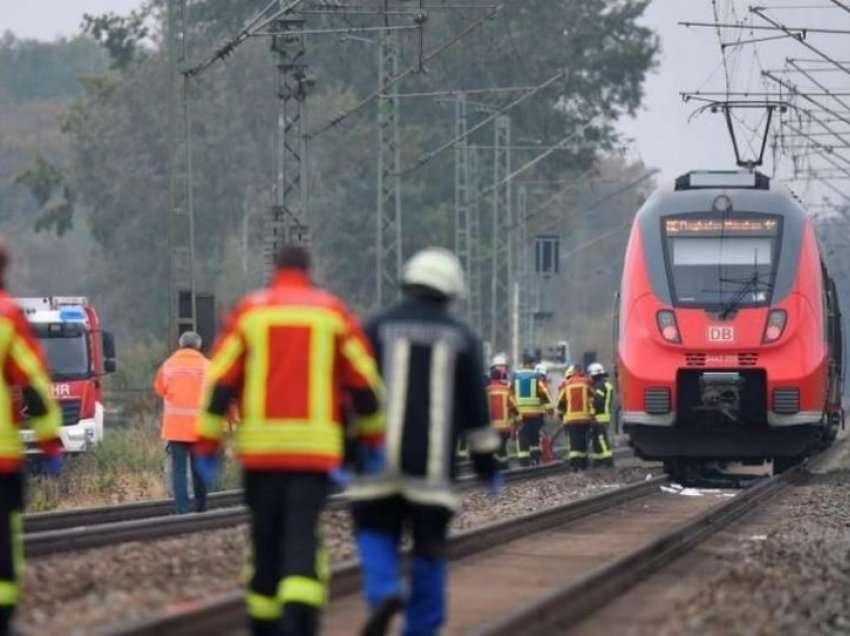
pixel 72 314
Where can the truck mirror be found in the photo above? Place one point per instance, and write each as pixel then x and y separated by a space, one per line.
pixel 109 365
pixel 108 339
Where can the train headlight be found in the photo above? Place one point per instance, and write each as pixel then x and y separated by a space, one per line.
pixel 668 327
pixel 775 326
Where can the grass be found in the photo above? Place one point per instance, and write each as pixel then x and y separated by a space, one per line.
pixel 129 465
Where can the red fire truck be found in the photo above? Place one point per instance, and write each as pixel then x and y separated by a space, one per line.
pixel 79 355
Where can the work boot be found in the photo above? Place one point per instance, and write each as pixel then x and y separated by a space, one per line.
pixel 381 617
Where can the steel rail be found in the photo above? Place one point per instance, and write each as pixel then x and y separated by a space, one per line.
pixel 49 542
pixel 227 612
pixel 131 511
pixel 562 608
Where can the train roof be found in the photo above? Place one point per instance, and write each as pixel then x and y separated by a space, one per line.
pixel 701 191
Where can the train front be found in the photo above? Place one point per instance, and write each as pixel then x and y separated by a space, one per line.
pixel 723 347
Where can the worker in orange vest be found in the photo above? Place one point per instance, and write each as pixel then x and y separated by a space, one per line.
pixel 180 384
pixel 575 405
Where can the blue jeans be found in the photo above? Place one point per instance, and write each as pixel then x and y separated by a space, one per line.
pixel 181 455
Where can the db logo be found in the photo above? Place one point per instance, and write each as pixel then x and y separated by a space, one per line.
pixel 61 390
pixel 721 334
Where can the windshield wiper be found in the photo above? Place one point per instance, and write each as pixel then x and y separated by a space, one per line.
pixel 747 286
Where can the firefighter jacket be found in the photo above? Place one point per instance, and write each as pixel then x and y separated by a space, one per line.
pixel 603 396
pixel 180 384
pixel 503 408
pixel 575 401
pixel 432 368
pixel 25 373
pixel 289 353
pixel 530 392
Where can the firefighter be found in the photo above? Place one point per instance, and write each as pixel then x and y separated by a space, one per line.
pixel 533 400
pixel 603 397
pixel 503 410
pixel 25 374
pixel 575 404
pixel 432 368
pixel 180 384
pixel 289 353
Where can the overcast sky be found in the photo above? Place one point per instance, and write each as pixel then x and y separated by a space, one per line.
pixel 663 136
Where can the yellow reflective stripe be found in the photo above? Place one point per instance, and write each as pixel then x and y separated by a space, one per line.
pixel 16 523
pixel 264 608
pixel 324 323
pixel 368 425
pixel 10 438
pixel 225 356
pixel 210 426
pixel 45 426
pixel 363 362
pixel 272 436
pixel 576 454
pixel 8 593
pixel 300 589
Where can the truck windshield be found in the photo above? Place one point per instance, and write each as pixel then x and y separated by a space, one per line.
pixel 67 353
pixel 718 264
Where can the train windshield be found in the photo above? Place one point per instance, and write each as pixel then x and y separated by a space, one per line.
pixel 721 263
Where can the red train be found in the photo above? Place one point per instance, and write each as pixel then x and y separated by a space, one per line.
pixel 729 340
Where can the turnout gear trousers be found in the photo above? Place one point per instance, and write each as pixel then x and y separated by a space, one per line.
pixel 379 524
pixel 528 439
pixel 11 546
pixel 289 569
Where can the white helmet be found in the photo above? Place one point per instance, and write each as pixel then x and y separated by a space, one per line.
pixel 499 360
pixel 594 368
pixel 541 369
pixel 436 268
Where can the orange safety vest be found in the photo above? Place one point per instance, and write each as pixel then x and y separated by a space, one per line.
pixel 289 352
pixel 503 408
pixel 180 384
pixel 576 400
pixel 23 365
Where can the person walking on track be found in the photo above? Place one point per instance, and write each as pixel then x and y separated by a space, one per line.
pixel 25 384
pixel 575 404
pixel 533 400
pixel 603 398
pixel 180 384
pixel 434 375
pixel 290 353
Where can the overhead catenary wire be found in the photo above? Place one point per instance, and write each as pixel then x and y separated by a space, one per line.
pixel 410 71
pixel 433 154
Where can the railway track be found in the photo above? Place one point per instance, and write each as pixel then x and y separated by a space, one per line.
pixel 53 533
pixel 225 614
pixel 549 569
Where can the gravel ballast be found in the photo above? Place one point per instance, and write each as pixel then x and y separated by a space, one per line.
pixel 74 593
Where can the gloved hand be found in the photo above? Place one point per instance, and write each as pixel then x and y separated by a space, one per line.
pixel 372 460
pixel 52 465
pixel 340 476
pixel 207 467
pixel 496 484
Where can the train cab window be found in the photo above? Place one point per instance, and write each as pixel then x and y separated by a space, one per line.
pixel 717 262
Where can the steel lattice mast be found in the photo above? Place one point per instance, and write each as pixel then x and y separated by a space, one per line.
pixel 474 296
pixel 389 221
pixel 463 238
pixel 523 277
pixel 502 244
pixel 287 222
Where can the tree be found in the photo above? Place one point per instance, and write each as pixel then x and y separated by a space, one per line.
pixel 55 199
pixel 121 36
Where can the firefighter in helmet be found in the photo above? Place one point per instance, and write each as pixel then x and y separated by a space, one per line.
pixel 533 400
pixel 503 409
pixel 603 397
pixel 575 405
pixel 434 375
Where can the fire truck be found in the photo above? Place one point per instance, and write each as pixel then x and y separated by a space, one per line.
pixel 79 355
